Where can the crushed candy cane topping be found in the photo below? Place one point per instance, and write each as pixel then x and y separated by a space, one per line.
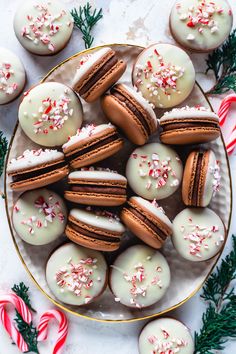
pixel 200 237
pixel 31 155
pixel 139 283
pixel 188 109
pixel 43 27
pixel 215 171
pixel 52 114
pixel 6 73
pixel 91 168
pixel 46 212
pixel 166 344
pixel 158 171
pixel 163 78
pixel 200 17
pixel 76 277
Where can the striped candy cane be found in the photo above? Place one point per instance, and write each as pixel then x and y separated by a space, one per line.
pixel 62 332
pixel 223 113
pixel 23 310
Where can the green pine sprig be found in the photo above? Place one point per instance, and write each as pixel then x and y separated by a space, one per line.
pixel 3 151
pixel 219 319
pixel 222 61
pixel 29 331
pixel 85 19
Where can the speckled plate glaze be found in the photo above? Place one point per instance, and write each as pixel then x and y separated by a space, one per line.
pixel 187 277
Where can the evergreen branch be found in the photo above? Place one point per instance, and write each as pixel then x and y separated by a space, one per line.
pixel 219 320
pixel 22 291
pixel 85 20
pixel 222 61
pixel 29 331
pixel 3 151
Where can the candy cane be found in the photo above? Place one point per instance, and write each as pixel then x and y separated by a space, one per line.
pixel 63 328
pixel 23 310
pixel 223 113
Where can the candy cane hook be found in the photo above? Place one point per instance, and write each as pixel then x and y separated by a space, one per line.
pixel 223 113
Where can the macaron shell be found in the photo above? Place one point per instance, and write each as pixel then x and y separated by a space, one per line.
pixel 141 229
pixel 40 181
pixel 99 154
pixel 98 199
pixel 106 81
pixel 191 135
pixel 89 242
pixel 121 116
pixel 209 180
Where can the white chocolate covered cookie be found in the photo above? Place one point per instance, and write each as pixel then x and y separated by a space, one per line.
pixel 76 275
pixel 39 217
pixel 50 113
pixel 154 171
pixel 140 277
pixel 12 76
pixel 43 27
pixel 198 234
pixel 165 336
pixel 164 74
pixel 201 25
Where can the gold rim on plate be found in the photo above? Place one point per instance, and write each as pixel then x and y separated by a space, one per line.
pixel 17 248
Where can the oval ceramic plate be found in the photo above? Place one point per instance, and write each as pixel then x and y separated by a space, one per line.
pixel 187 277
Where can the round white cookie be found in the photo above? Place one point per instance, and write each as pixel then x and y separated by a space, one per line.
pixel 50 113
pixel 39 216
pixel 154 171
pixel 198 234
pixel 165 335
pixel 164 74
pixel 140 277
pixel 201 25
pixel 76 275
pixel 43 26
pixel 12 76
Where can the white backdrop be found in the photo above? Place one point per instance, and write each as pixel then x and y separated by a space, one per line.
pixel 133 21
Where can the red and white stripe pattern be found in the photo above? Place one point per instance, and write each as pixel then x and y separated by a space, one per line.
pixel 23 310
pixel 223 114
pixel 62 332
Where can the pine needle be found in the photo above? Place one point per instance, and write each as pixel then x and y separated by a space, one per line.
pixel 219 320
pixel 222 61
pixel 3 151
pixel 85 19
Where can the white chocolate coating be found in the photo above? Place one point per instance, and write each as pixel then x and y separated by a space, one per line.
pixel 201 25
pixel 39 217
pixel 212 182
pixel 86 132
pixel 141 100
pixel 49 113
pixel 140 276
pixel 103 219
pixel 95 175
pixel 154 171
pixel 12 76
pixel 76 275
pixel 33 158
pixel 153 209
pixel 189 112
pixel 164 74
pixel 198 234
pixel 89 61
pixel 165 336
pixel 43 26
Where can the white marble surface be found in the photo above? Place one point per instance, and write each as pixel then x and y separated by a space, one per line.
pixel 133 21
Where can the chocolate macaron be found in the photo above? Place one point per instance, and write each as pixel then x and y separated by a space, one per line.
pixel 101 231
pixel 147 221
pixel 37 168
pixel 97 73
pixel 129 111
pixel 189 125
pixel 92 144
pixel 201 178
pixel 96 187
